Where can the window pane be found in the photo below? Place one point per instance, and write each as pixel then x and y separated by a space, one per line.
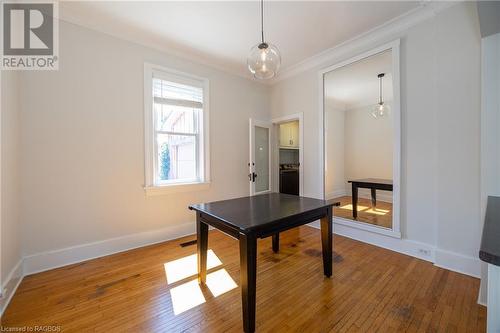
pixel 176 157
pixel 261 158
pixel 176 118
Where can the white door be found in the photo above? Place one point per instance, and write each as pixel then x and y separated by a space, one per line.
pixel 260 157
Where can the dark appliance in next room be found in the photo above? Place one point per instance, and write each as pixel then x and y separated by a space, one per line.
pixel 289 179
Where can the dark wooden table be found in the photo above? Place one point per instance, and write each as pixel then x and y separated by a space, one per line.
pixel 489 252
pixel 250 218
pixel 373 184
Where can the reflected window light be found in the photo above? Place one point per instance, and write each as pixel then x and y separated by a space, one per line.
pixel 186 296
pixel 349 207
pixel 182 268
pixel 377 211
pixel 220 282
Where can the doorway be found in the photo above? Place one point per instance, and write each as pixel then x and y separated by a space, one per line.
pixel 288 154
pixel 276 155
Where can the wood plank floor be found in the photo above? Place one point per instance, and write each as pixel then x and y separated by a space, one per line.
pixel 381 215
pixel 372 290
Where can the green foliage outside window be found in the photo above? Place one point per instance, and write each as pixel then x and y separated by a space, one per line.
pixel 164 162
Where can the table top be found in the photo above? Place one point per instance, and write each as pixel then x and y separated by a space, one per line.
pixel 372 181
pixel 490 242
pixel 257 211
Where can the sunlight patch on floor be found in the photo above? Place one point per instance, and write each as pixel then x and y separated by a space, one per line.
pixel 189 294
pixel 220 282
pixel 349 207
pixel 182 268
pixel 186 296
pixel 377 211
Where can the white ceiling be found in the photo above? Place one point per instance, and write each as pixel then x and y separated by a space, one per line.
pixel 357 84
pixel 222 33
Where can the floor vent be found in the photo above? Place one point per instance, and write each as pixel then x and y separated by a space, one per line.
pixel 193 242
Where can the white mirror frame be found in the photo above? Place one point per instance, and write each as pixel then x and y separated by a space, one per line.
pixel 396 112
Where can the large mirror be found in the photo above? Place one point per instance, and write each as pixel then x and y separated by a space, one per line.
pixel 361 142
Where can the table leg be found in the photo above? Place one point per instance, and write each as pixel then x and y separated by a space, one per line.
pixel 354 201
pixel 248 279
pixel 327 242
pixel 374 197
pixel 276 242
pixel 202 247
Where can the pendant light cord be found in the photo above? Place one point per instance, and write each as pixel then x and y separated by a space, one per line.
pixel 380 100
pixel 262 19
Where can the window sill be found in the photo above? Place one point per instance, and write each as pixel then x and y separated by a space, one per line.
pixel 175 188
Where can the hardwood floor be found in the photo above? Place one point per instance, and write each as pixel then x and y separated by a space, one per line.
pixel 381 215
pixel 372 289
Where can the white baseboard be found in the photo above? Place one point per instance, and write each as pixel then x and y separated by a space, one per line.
pixel 445 259
pixel 458 263
pixel 52 259
pixel 412 248
pixel 10 285
pixel 335 194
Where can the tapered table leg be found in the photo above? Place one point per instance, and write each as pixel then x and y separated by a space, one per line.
pixel 248 279
pixel 354 201
pixel 276 242
pixel 327 241
pixel 202 247
pixel 374 197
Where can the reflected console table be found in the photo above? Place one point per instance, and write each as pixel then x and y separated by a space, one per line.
pixel 373 184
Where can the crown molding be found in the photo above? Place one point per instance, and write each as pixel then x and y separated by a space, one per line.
pixel 390 30
pixel 160 46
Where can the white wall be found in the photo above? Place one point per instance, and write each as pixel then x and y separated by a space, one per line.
pixel 11 252
pixel 368 144
pixel 458 103
pixel 334 151
pixel 356 146
pixel 83 143
pixel 440 87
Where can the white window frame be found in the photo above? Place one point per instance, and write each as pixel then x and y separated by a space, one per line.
pixel 150 146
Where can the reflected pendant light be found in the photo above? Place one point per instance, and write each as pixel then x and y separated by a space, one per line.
pixel 264 59
pixel 381 109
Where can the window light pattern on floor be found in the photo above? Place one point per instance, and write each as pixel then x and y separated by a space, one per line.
pixel 349 207
pixel 188 295
pixel 183 268
pixel 365 209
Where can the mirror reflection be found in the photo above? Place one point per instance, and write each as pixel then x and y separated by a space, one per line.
pixel 359 140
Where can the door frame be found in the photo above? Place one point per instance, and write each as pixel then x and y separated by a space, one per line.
pixel 251 163
pixel 396 112
pixel 275 171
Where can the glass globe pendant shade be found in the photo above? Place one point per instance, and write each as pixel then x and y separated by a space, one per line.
pixel 264 61
pixel 380 110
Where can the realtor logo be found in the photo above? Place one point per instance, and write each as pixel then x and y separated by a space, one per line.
pixel 29 36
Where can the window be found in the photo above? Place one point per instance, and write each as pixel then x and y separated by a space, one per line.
pixel 176 114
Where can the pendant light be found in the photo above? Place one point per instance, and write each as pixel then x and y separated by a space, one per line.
pixel 264 59
pixel 381 109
